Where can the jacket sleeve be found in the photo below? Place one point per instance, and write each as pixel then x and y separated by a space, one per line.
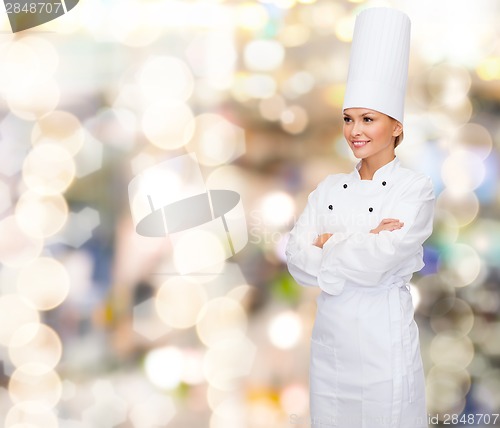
pixel 304 258
pixel 365 258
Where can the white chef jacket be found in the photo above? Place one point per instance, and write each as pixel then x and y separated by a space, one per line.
pixel 365 356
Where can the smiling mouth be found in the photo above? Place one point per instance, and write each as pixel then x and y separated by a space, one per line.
pixel 358 144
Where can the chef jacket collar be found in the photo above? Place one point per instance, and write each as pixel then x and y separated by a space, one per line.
pixel 384 171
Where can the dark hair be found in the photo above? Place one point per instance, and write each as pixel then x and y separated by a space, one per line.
pixel 398 139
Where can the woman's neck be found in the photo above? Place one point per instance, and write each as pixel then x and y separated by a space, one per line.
pixel 370 166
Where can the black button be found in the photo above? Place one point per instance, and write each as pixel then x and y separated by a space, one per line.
pixel 330 207
pixel 383 183
pixel 370 209
pixel 345 186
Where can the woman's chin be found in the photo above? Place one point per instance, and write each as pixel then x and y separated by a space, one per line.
pixel 357 155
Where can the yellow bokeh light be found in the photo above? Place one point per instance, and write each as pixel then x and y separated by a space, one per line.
pixel 294 35
pixel 446 387
pixel 17 248
pixel 344 28
pixel 48 169
pixel 35 343
pixel 489 68
pixel 251 16
pixel 35 383
pixel 199 248
pixel 59 127
pixel 44 283
pixel 221 319
pixel 334 95
pixel 452 349
pixel 168 124
pixel 41 216
pixel 179 301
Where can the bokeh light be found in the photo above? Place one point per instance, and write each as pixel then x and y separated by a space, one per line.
pixel 179 301
pixel 285 330
pixel 100 326
pixel 33 382
pixel 35 343
pixel 216 141
pixel 263 55
pixel 48 169
pixel 31 414
pixel 164 367
pixel 44 283
pixel 164 77
pixel 15 312
pixel 221 319
pixel 462 171
pixel 17 248
pixel 41 216
pixel 59 127
pixel 168 124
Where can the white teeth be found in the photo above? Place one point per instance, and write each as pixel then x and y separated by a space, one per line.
pixel 359 143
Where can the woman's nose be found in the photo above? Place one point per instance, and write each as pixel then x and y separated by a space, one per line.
pixel 356 129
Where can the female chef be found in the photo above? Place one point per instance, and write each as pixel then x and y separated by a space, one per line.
pixel 360 240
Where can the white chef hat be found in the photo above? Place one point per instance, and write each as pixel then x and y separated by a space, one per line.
pixel 378 67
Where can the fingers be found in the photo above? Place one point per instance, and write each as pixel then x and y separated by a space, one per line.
pixel 393 225
pixel 389 220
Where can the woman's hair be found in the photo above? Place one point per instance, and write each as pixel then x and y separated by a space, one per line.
pixel 398 139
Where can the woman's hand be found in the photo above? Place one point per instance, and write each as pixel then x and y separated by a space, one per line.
pixel 388 224
pixel 321 239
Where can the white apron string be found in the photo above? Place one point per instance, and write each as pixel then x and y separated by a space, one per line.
pixel 401 352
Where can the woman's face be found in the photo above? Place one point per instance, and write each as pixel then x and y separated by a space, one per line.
pixel 370 133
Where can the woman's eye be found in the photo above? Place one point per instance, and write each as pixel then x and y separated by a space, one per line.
pixel 368 119
pixel 347 119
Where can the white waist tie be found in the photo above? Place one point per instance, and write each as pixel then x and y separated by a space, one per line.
pixel 401 350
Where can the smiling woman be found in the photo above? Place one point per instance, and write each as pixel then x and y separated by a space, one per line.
pixel 360 240
pixel 371 135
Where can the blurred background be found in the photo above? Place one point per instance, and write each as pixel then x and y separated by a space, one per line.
pixel 94 333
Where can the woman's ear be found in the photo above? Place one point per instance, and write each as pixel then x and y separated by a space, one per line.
pixel 398 128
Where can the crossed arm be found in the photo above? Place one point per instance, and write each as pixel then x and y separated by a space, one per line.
pixel 328 260
pixel 386 224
